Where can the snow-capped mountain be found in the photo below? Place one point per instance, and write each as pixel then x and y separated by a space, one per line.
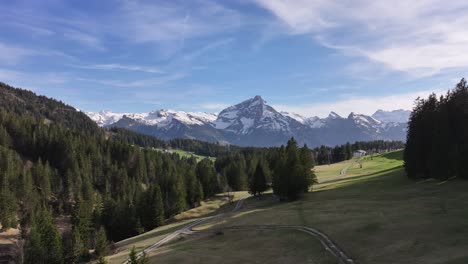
pixel 158 118
pixel 364 120
pixel 313 122
pixel 250 115
pixel 105 118
pixel 254 123
pixel 395 116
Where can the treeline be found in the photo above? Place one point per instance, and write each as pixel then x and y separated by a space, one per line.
pixel 286 169
pixel 328 155
pixel 24 102
pixel 191 145
pixel 437 145
pixel 113 190
pixel 110 188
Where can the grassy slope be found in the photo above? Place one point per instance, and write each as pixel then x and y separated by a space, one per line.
pixel 186 154
pixel 209 207
pixel 375 214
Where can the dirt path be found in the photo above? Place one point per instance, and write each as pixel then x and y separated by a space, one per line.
pixel 184 230
pixel 327 243
pixel 343 171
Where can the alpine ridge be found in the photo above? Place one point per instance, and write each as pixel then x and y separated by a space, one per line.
pixel 255 123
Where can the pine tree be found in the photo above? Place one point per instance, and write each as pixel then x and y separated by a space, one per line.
pixel 133 257
pixel 5 138
pixel 101 260
pixel 44 244
pixel 78 248
pixel 349 151
pixel 82 223
pixel 8 208
pixel 258 182
pixel 151 208
pixel 101 247
pixel 207 176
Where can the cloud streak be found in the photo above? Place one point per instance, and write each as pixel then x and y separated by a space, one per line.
pixel 12 54
pixel 115 66
pixel 417 37
pixel 360 104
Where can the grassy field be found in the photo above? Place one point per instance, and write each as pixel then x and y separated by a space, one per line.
pixel 220 203
pixel 374 213
pixel 186 154
pixel 244 247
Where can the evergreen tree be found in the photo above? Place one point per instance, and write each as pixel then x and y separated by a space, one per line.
pixel 207 176
pixel 101 247
pixel 44 244
pixel 82 225
pixel 152 208
pixel 101 260
pixel 133 256
pixel 8 208
pixel 258 182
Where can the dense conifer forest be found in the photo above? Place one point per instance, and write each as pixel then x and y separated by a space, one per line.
pixel 112 184
pixel 437 145
pixel 55 162
pixel 328 155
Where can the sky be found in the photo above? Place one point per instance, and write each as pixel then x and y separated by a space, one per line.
pixel 304 56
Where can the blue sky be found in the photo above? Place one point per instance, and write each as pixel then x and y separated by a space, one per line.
pixel 309 57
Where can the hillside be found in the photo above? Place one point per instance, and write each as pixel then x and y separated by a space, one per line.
pixel 24 102
pixel 55 163
pixel 362 212
pixel 72 190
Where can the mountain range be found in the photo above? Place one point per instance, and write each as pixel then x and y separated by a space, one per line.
pixel 255 123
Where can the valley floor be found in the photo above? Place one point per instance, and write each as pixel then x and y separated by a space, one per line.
pixel 374 213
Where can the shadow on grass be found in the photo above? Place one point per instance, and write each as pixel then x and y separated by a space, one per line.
pixel 369 176
pixel 395 155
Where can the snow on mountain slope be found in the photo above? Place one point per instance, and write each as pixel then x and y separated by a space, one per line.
pixel 249 115
pixel 396 116
pixel 105 118
pixel 158 118
pixel 313 122
pixel 364 121
pixel 254 123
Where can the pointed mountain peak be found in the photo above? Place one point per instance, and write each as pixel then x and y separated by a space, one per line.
pixel 354 115
pixel 334 115
pixel 257 100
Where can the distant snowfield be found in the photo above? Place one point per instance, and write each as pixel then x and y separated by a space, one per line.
pixel 255 116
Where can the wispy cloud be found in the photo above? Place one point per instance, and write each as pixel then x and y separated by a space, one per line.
pixel 418 37
pixel 35 30
pixel 214 106
pixel 13 54
pixel 359 104
pixel 31 81
pixel 210 46
pixel 114 66
pixel 153 82
pixel 161 22
pixel 85 39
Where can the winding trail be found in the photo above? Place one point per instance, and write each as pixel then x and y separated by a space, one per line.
pixel 326 241
pixel 343 171
pixel 184 230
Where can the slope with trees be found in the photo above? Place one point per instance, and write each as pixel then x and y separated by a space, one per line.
pixel 437 145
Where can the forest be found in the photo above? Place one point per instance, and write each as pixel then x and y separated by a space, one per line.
pixel 327 155
pixel 113 190
pixel 437 145
pixel 55 163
